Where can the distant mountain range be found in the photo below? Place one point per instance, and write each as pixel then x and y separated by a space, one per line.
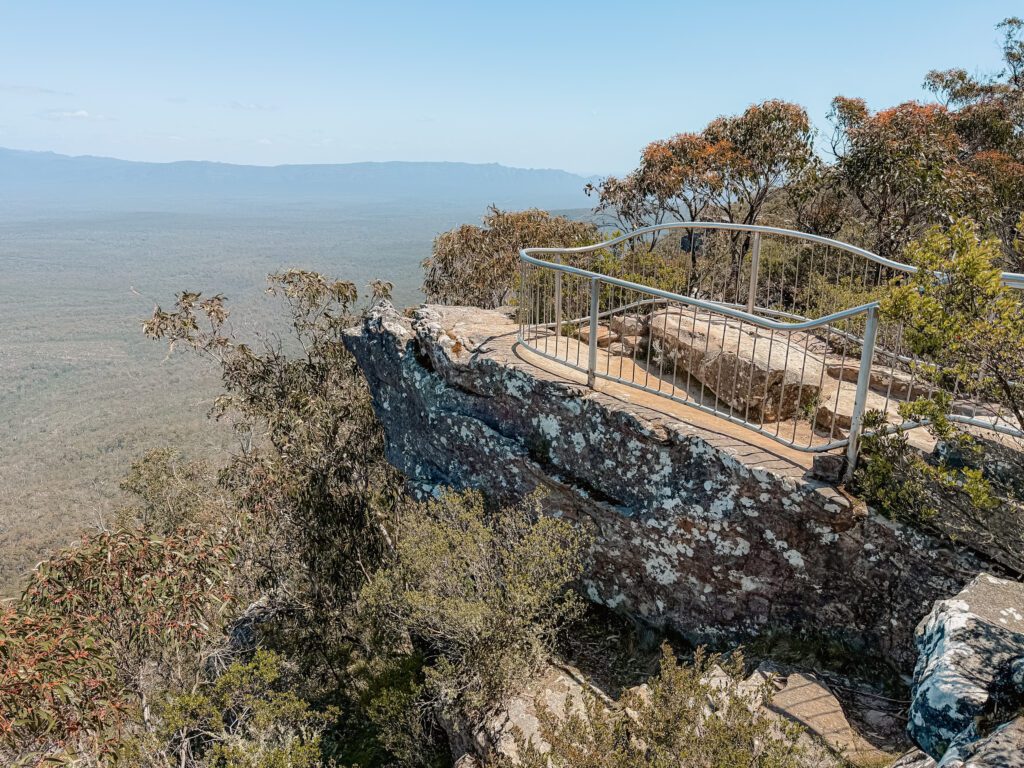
pixel 46 179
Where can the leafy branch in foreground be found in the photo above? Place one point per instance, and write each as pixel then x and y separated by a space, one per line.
pixel 316 467
pixel 102 629
pixel 960 317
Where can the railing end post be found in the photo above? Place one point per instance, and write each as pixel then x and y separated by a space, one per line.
pixel 867 357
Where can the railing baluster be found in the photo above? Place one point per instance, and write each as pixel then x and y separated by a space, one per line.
pixel 558 310
pixel 595 296
pixel 755 267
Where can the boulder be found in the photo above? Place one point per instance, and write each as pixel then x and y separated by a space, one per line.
pixel 627 325
pixel 1003 748
pixel 970 651
pixel 914 759
pixel 694 529
pixel 605 335
pixel 883 380
pixel 754 372
pixel 626 346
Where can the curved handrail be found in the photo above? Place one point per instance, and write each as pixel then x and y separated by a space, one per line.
pixel 710 306
pixel 734 227
pixel 777 320
pixel 1012 279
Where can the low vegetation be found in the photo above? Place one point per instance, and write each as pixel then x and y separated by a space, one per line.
pixel 293 605
pixel 479 266
pixel 695 715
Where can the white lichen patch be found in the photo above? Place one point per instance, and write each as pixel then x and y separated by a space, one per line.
pixel 732 547
pixel 659 569
pixel 825 534
pixel 794 558
pixel 722 506
pixel 548 426
pixel 579 442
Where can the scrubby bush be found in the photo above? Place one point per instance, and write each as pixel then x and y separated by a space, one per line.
pixel 898 481
pixel 961 319
pixel 100 630
pixel 247 717
pixel 482 593
pixel 479 266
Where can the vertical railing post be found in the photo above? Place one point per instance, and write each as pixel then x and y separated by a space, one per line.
pixel 521 300
pixel 755 267
pixel 558 308
pixel 867 357
pixel 595 295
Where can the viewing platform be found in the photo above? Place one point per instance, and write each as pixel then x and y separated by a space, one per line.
pixel 774 331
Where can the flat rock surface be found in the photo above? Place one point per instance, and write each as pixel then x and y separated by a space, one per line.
pixel 807 701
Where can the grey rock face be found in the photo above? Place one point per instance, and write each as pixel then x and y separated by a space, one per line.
pixel 693 528
pixel 915 759
pixel 971 649
pixel 1002 749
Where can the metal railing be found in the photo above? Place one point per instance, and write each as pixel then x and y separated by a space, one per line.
pixel 775 330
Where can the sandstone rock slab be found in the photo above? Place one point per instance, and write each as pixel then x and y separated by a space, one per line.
pixel 627 325
pixel 807 701
pixel 883 380
pixel 752 370
pixel 835 408
pixel 605 335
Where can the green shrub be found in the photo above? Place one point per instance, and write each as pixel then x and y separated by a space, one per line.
pixel 896 479
pixel 245 718
pixel 961 319
pixel 483 593
pixel 479 266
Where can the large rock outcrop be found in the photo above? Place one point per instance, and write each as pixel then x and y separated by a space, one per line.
pixel 695 526
pixel 971 662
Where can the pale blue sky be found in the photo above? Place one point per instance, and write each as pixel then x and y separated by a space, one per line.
pixel 574 85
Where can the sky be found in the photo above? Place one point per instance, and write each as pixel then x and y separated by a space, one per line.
pixel 580 86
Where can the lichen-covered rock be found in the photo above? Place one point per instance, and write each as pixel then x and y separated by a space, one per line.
pixel 693 528
pixel 553 689
pixel 1004 748
pixel 970 649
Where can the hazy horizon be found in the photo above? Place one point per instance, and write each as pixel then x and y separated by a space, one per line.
pixel 529 86
pixel 88 246
pixel 291 165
